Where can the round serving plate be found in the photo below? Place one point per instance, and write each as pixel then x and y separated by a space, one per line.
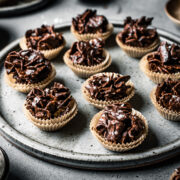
pixel 74 145
pixel 22 7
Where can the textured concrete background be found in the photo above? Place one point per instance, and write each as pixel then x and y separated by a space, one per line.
pixel 25 167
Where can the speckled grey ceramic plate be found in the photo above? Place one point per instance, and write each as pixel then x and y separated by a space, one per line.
pixel 22 7
pixel 74 145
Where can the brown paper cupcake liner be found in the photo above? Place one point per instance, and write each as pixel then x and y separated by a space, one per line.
pixel 56 126
pixel 117 146
pixel 25 88
pixel 89 36
pixel 101 104
pixel 53 123
pixel 137 52
pixel 167 114
pixel 48 54
pixel 156 77
pixel 87 71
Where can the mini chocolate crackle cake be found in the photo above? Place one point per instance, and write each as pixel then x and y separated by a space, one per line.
pixel 51 108
pixel 166 99
pixel 107 88
pixel 43 39
pixel 163 63
pixel 86 58
pixel 119 127
pixel 136 39
pixel 89 25
pixel 175 175
pixel 28 69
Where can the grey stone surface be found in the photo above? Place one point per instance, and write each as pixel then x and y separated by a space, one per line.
pixel 24 166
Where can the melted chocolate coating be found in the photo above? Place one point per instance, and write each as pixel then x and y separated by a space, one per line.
pixel 166 59
pixel 103 87
pixel 27 66
pixel 43 38
pixel 168 95
pixel 50 102
pixel 118 125
pixel 90 22
pixel 136 32
pixel 88 53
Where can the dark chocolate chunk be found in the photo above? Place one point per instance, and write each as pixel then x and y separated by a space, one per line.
pixel 88 53
pixel 27 66
pixel 50 102
pixel 44 38
pixel 90 22
pixel 136 32
pixel 166 59
pixel 104 87
pixel 117 124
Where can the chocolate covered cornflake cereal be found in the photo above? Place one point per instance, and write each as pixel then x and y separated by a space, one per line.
pixel 118 125
pixel 166 60
pixel 90 22
pixel 43 38
pixel 136 32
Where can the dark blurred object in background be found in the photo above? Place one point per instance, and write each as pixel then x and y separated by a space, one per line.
pixel 4 165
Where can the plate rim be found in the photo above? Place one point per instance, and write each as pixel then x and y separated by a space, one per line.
pixel 22 8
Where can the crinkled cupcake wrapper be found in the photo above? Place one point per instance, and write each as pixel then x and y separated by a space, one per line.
pixel 48 54
pixel 137 52
pixel 117 146
pixel 89 36
pixel 101 104
pixel 52 124
pixel 56 126
pixel 25 88
pixel 87 71
pixel 167 114
pixel 156 77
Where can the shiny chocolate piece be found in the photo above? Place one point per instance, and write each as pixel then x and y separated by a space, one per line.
pixel 136 32
pixel 44 38
pixel 166 59
pixel 50 102
pixel 90 22
pixel 87 53
pixel 176 174
pixel 117 124
pixel 168 95
pixel 106 88
pixel 27 66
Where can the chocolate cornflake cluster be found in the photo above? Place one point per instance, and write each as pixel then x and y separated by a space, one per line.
pixel 88 53
pixel 176 174
pixel 90 22
pixel 117 124
pixel 44 38
pixel 136 32
pixel 27 66
pixel 50 102
pixel 168 95
pixel 108 87
pixel 166 59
